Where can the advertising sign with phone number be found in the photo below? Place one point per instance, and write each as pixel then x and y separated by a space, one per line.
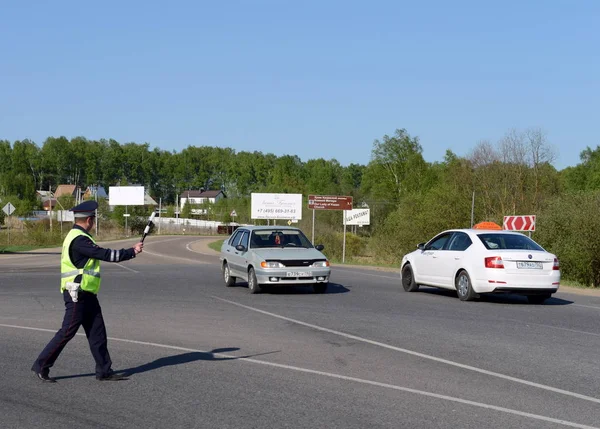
pixel 276 206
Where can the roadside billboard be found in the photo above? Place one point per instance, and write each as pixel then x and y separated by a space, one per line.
pixel 276 206
pixel 357 217
pixel 126 195
pixel 329 202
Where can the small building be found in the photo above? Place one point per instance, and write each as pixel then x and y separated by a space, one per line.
pixel 66 190
pixel 149 201
pixel 201 197
pixel 93 192
pixel 50 204
pixel 43 195
pixel 47 199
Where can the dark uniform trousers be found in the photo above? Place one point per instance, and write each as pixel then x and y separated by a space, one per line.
pixel 87 312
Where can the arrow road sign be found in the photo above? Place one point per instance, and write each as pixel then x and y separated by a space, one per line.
pixel 8 209
pixel 519 223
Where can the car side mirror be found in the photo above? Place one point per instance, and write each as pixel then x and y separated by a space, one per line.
pixel 319 247
pixel 240 247
pixel 421 246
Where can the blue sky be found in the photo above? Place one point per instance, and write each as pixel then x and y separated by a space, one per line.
pixel 310 78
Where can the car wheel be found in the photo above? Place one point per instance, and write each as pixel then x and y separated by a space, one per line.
pixel 227 277
pixel 538 299
pixel 252 282
pixel 320 287
pixel 408 280
pixel 464 288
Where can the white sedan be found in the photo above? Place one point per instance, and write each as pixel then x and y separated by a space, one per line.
pixel 473 262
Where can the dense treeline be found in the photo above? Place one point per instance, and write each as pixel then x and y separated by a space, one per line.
pixel 25 168
pixel 410 199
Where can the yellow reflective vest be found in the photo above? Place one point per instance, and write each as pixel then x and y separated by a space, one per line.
pixel 90 274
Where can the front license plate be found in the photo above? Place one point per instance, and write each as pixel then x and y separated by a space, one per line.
pixel 528 265
pixel 298 274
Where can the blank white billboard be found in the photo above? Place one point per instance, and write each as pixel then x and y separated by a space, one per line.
pixel 276 206
pixel 126 195
pixel 65 216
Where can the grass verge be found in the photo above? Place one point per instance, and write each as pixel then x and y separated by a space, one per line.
pixel 575 284
pixel 216 245
pixel 23 248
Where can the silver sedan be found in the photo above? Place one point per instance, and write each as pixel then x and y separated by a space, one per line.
pixel 273 255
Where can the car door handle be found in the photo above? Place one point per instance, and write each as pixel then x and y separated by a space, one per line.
pixel 456 258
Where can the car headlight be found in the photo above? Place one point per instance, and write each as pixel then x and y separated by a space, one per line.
pixel 320 264
pixel 271 264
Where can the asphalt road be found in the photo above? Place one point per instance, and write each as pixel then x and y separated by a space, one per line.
pixel 364 355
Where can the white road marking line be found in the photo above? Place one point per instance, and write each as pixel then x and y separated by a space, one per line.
pixel 162 241
pixel 410 352
pixel 175 257
pixel 586 306
pixel 541 325
pixel 127 268
pixel 187 246
pixel 342 377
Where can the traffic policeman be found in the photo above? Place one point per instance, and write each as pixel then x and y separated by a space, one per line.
pixel 80 283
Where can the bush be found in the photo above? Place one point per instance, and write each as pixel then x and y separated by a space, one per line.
pixel 39 232
pixel 334 245
pixel 569 226
pixel 417 219
pixel 137 224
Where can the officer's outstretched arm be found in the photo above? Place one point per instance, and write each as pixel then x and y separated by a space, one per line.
pixel 86 247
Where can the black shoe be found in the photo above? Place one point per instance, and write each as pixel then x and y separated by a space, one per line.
pixel 45 378
pixel 112 376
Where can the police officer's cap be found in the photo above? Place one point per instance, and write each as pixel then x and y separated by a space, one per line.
pixel 85 209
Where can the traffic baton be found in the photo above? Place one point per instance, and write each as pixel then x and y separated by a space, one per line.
pixel 147 229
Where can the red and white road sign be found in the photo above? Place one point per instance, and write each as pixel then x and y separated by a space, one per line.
pixel 519 223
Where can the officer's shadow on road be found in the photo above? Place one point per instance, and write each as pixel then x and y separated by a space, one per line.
pixel 29 253
pixel 213 355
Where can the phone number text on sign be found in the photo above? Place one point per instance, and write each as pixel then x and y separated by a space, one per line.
pixel 271 211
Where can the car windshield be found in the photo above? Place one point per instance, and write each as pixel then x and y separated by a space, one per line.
pixel 508 241
pixel 278 238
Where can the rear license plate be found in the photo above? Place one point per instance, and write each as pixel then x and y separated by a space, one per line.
pixel 298 274
pixel 528 265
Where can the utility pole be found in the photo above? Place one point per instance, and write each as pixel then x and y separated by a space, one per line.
pixel 96 199
pixel 50 201
pixel 473 210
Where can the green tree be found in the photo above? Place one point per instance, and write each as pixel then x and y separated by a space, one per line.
pixel 322 177
pixel 56 159
pixel 286 175
pixel 397 167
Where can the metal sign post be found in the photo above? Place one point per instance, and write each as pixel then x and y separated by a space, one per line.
pixel 96 199
pixel 9 210
pixel 344 245
pixel 126 216
pixel 331 202
pixel 313 229
pixel 159 214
